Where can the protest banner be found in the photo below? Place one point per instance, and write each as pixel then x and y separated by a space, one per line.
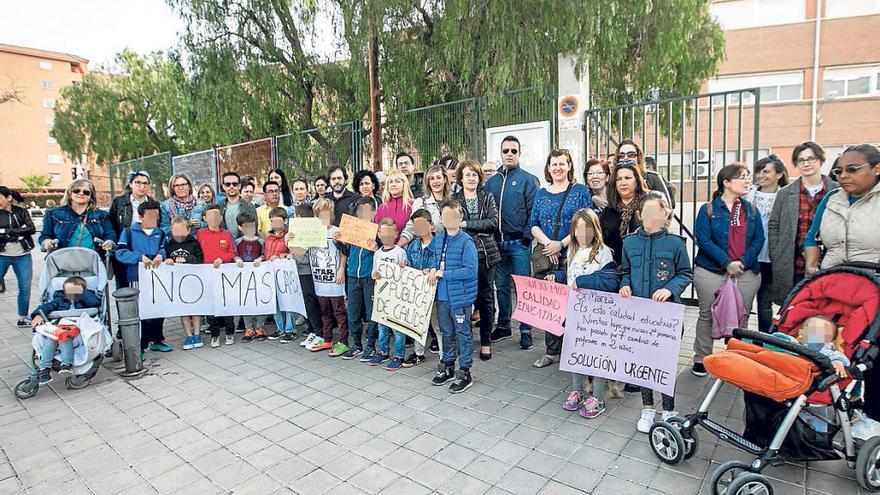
pixel 403 299
pixel 357 232
pixel 307 233
pixel 540 303
pixel 247 290
pixel 287 288
pixel 179 290
pixel 632 340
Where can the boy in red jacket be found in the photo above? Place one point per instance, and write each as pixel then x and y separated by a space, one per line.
pixel 276 248
pixel 217 248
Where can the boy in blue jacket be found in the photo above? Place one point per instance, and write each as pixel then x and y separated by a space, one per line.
pixel 655 265
pixel 455 274
pixel 144 242
pixel 359 288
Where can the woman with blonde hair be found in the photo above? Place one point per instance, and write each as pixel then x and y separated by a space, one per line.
pixel 181 203
pixel 78 221
pixel 206 194
pixel 397 201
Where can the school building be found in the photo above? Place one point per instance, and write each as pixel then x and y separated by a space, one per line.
pixel 32 81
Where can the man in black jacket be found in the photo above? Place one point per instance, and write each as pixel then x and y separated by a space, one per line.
pixel 407 164
pixel 340 195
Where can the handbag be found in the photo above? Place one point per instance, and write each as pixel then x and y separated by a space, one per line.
pixel 728 311
pixel 541 263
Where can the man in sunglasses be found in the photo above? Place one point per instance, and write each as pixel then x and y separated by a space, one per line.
pixel 407 164
pixel 514 190
pixel 233 205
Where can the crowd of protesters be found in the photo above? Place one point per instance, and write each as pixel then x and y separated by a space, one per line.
pixel 471 227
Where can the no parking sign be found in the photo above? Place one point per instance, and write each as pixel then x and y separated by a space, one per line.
pixel 569 107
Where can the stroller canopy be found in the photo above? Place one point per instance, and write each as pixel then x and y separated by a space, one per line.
pixel 67 262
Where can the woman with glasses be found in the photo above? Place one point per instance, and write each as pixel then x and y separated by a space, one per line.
pixel 596 175
pixel 628 152
pixel 16 241
pixel 730 236
pixel 181 203
pixel 123 212
pixel 78 222
pixel 790 218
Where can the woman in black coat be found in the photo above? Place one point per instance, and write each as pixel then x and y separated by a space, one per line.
pixel 480 221
pixel 123 212
pixel 16 241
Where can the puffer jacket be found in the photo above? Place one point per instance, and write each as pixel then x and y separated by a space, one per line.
pixel 17 226
pixel 482 227
pixel 848 229
pixel 60 223
pixel 655 261
pixel 275 245
pixel 458 285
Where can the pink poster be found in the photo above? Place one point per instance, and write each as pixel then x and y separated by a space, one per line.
pixel 630 340
pixel 540 303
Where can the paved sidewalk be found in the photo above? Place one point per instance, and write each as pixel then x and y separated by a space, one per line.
pixel 266 418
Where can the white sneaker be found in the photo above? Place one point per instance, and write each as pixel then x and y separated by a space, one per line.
pixel 315 342
pixel 647 419
pixel 215 341
pixel 309 339
pixel 669 414
pixel 230 339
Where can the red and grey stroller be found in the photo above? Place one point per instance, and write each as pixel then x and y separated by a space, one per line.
pixel 797 407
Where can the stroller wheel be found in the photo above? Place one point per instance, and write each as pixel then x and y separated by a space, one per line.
pixel 724 475
pixel 750 484
pixel 26 388
pixel 691 439
pixel 666 442
pixel 77 382
pixel 868 465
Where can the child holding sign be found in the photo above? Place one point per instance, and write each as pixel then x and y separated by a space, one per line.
pixel 249 248
pixel 276 248
pixel 590 266
pixel 389 253
pixel 218 248
pixel 183 248
pixel 456 278
pixel 144 242
pixel 420 256
pixel 360 289
pixel 655 265
pixel 328 272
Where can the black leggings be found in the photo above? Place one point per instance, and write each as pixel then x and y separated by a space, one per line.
pixel 648 399
pixel 486 301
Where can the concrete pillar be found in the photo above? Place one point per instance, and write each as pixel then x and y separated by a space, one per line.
pixel 573 99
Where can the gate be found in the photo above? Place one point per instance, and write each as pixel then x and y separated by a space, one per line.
pixel 690 138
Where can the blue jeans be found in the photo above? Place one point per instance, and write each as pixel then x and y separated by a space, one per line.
pixel 455 325
pixel 360 309
pixel 47 354
pixel 284 322
pixel 21 265
pixel 399 341
pixel 515 260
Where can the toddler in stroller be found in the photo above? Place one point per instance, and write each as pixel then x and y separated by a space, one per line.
pixel 74 296
pixel 799 400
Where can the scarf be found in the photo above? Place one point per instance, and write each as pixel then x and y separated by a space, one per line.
pixel 186 205
pixel 626 214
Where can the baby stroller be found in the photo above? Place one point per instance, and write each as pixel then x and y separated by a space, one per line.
pixel 94 339
pixel 796 404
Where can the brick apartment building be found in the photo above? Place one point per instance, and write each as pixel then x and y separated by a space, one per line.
pixel 37 76
pixel 817 64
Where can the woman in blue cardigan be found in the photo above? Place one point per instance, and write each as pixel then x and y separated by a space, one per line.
pixel 730 237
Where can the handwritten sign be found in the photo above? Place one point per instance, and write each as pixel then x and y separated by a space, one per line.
pixel 185 290
pixel 357 232
pixel 630 340
pixel 402 300
pixel 287 287
pixel 540 303
pixel 179 290
pixel 307 233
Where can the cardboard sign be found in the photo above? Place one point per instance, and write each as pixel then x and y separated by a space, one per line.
pixel 541 304
pixel 247 290
pixel 357 232
pixel 402 300
pixel 179 290
pixel 307 233
pixel 632 340
pixel 287 287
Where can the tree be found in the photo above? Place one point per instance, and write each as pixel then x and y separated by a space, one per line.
pixel 35 182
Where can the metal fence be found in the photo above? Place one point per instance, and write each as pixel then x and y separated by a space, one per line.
pixel 200 167
pixel 690 138
pixel 309 153
pixel 158 166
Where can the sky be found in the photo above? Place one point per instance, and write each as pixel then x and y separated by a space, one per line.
pixel 92 29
